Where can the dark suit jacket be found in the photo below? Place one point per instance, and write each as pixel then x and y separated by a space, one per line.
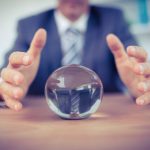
pixel 96 54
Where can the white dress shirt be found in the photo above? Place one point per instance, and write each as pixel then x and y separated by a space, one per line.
pixel 64 23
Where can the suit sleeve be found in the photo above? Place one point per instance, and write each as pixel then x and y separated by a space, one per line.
pixel 123 31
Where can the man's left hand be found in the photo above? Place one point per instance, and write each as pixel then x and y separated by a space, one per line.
pixel 133 68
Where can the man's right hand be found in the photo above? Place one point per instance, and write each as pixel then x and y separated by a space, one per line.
pixel 21 71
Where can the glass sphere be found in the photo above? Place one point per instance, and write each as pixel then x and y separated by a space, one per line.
pixel 73 92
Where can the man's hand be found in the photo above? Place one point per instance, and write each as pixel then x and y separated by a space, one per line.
pixel 133 68
pixel 21 71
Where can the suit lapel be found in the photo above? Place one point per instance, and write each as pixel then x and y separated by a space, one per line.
pixel 54 52
pixel 92 39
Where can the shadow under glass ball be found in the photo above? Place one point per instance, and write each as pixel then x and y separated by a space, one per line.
pixel 74 92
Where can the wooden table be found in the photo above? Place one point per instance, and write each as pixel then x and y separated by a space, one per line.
pixel 119 124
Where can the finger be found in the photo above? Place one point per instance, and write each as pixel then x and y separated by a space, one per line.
pixel 144 86
pixel 137 52
pixel 142 69
pixel 17 59
pixel 144 99
pixel 116 47
pixel 37 43
pixel 11 91
pixel 13 104
pixel 12 76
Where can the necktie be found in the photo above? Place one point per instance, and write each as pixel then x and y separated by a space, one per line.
pixel 72 45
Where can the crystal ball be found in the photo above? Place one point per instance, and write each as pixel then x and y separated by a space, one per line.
pixel 73 92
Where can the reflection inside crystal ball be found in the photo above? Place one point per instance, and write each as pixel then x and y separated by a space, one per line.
pixel 73 92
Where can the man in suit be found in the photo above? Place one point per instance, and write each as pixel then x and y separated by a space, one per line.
pixel 32 66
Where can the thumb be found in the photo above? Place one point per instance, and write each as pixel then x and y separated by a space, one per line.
pixel 116 47
pixel 38 42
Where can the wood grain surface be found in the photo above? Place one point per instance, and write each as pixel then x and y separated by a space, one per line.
pixel 119 124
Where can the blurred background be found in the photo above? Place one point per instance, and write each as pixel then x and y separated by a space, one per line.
pixel 137 13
